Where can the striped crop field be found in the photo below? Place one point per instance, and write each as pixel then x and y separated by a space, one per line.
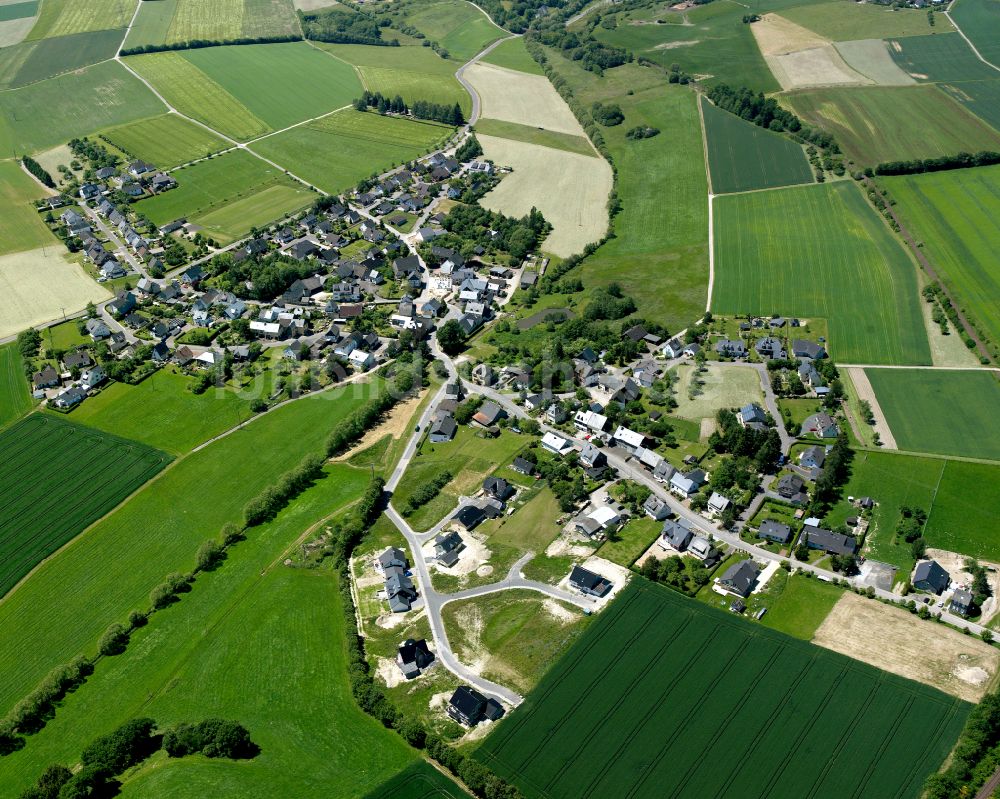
pixel 821 251
pixel 743 156
pixel 55 479
pixel 664 696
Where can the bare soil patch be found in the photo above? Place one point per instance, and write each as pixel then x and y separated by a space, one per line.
pixel 865 391
pixel 895 640
pixel 776 35
pixel 815 67
pixel 395 424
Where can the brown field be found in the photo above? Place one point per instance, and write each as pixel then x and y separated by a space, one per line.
pixel 897 641
pixel 514 96
pixel 800 58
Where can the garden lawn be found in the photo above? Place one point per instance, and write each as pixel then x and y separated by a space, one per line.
pixel 163 412
pixel 460 28
pixel 92 99
pixel 743 156
pixel 56 478
pixel 821 251
pixel 841 23
pixel 942 412
pixel 419 781
pixel 280 84
pixel 166 141
pixel 21 226
pixel 512 54
pixel 337 151
pixel 64 17
pixel 801 607
pixel 15 398
pixel 660 250
pixel 415 73
pixel 980 21
pixel 874 124
pixel 120 560
pixel 604 721
pixel 228 195
pixel 628 544
pixel 717 47
pixel 532 527
pixel 226 645
pixel 956 216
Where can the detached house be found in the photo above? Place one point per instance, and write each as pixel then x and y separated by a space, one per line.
pixel 820 425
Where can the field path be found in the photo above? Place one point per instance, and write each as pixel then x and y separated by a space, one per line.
pixel 865 391
pixel 968 41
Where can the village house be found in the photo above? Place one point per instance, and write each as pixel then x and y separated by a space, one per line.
pixel 739 579
pixel 589 583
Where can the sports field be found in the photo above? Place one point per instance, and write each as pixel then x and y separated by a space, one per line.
pixel 894 123
pixel 842 23
pixel 980 21
pixel 820 251
pixel 941 411
pixel 161 411
pixel 942 57
pixel 33 61
pixel 661 243
pixel 95 98
pixel 15 399
pixel 120 560
pixel 170 21
pixel 228 195
pixel 337 151
pixel 225 645
pixel 460 28
pixel 512 54
pixel 743 156
pixel 41 285
pixel 65 17
pixel 56 478
pixel 744 711
pixel 419 781
pixel 956 215
pixel 21 226
pixel 415 73
pixel 166 141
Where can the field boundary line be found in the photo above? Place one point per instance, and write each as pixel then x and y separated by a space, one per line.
pixel 704 144
pixel 299 124
pixel 968 41
pixel 866 392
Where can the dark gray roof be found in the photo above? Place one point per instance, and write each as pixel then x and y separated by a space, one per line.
pixel 775 531
pixel 832 542
pixel 741 576
pixel 930 576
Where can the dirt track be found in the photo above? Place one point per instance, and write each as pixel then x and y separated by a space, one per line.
pixel 865 391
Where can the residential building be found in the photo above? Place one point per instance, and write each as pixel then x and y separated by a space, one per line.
pixel 717 504
pixel 807 349
pixel 469 517
pixel 399 589
pixel 413 657
pixel 587 582
pixel 702 548
pixel 556 444
pixel 656 508
pixel 820 425
pixel 930 576
pixel 498 488
pixel 961 602
pixel 447 546
pixel 684 485
pixel 676 535
pixel 829 541
pixel 752 416
pixel 739 579
pixel 442 430
pixel 489 414
pixel 628 440
pixel 521 466
pixel 775 531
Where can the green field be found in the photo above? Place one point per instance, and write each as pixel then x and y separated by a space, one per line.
pixel 840 22
pixel 956 215
pixel 64 17
pixel 981 97
pixel 166 141
pixel 512 54
pixel 532 135
pixel 873 124
pixel 228 195
pixel 171 21
pixel 415 73
pixel 419 781
pixel 460 28
pixel 716 47
pixel 980 21
pixel 941 412
pixel 821 251
pixel 231 648
pixel 743 156
pixel 942 57
pixel 801 607
pixel 113 568
pixel 665 691
pixel 21 226
pixel 57 478
pixel 337 151
pixel 98 97
pixel 33 61
pixel 15 398
pixel 279 83
pixel 660 248
pixel 21 10
pixel 162 411
pixel 966 506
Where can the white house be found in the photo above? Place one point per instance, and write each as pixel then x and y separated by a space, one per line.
pixel 93 377
pixel 362 360
pixel 557 444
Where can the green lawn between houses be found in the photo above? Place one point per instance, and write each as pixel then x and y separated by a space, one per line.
pixel 740 710
pixel 163 526
pixel 821 251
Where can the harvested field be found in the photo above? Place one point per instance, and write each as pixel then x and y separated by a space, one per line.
pixel 871 58
pixel 518 97
pixel 817 66
pixel 889 638
pixel 570 190
pixel 40 285
pixel 776 35
pixel 13 31
pixel 604 721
